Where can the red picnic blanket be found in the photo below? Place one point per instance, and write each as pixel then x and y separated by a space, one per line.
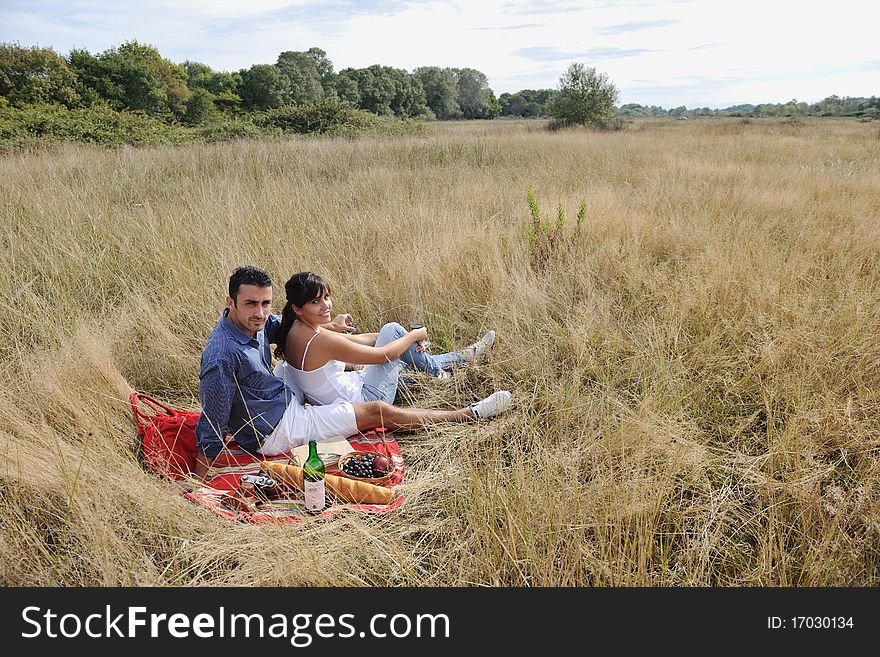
pixel 168 438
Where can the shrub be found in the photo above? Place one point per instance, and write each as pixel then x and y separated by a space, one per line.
pixel 614 124
pixel 233 129
pixel 43 124
pixel 37 124
pixel 12 134
pixel 391 126
pixel 329 115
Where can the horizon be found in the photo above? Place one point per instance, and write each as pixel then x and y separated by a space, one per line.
pixel 666 53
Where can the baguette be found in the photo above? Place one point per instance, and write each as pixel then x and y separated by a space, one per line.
pixel 288 474
pixel 347 490
pixel 361 492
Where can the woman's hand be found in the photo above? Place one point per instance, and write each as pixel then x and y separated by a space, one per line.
pixel 420 335
pixel 343 323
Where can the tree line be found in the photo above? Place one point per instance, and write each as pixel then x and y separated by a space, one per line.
pixel 135 77
pixel 539 103
pixel 830 106
pixel 132 94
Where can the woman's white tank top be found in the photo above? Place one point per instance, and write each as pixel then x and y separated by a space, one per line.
pixel 328 383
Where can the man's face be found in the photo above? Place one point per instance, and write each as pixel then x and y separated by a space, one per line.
pixel 251 308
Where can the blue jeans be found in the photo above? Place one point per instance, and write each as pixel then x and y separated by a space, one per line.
pixel 381 381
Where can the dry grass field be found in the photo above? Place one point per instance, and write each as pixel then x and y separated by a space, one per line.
pixel 696 369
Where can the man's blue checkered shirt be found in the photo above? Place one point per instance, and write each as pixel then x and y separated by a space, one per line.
pixel 238 392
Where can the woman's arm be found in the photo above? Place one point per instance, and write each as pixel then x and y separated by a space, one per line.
pixel 338 347
pixel 368 339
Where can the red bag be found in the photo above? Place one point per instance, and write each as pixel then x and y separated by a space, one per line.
pixel 169 436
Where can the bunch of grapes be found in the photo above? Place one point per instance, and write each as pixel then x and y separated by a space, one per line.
pixel 367 465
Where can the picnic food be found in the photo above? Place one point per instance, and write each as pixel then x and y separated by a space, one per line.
pixel 359 491
pixel 367 465
pixel 361 466
pixel 348 490
pixel 381 465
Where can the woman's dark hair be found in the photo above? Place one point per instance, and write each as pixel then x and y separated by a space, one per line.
pixel 299 290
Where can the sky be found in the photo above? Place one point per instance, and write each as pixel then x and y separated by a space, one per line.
pixel 696 53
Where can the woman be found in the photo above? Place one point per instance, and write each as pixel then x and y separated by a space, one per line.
pixel 317 357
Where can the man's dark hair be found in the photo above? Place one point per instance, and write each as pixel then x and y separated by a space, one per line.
pixel 248 275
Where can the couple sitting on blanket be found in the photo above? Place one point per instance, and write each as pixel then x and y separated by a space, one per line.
pixel 263 408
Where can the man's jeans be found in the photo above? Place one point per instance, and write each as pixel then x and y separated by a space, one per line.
pixel 381 381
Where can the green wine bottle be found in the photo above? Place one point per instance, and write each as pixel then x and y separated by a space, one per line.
pixel 313 480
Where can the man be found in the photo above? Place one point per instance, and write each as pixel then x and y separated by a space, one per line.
pixel 241 396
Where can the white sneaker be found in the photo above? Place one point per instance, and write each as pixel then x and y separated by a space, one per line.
pixel 482 345
pixel 443 376
pixel 494 404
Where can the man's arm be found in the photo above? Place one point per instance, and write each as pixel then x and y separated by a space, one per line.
pixel 216 390
pixel 273 323
pixel 203 466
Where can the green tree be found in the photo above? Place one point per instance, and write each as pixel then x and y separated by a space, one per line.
pixel 36 75
pixel 527 103
pixel 120 84
pixel 303 79
pixel 224 87
pixel 171 76
pixel 493 107
pixel 346 88
pixel 409 94
pixel 201 76
pixel 90 79
pixel 512 104
pixel 831 106
pixel 324 67
pixel 200 107
pixel 586 97
pixel 636 110
pixel 367 88
pixel 475 99
pixel 441 91
pixel 133 77
pixel 383 90
pixel 263 87
pixel 196 73
pixel 538 101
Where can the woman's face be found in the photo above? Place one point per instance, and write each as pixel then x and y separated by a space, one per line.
pixel 316 311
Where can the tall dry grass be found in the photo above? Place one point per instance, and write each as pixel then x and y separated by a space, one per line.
pixel 696 373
